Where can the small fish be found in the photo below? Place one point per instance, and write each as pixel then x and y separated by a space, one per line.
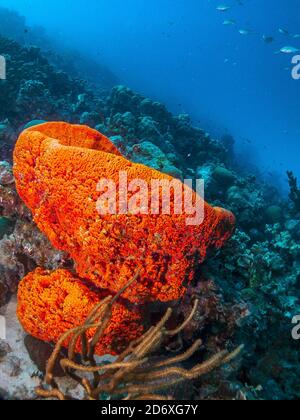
pixel 268 39
pixel 296 36
pixel 229 22
pixel 245 32
pixel 223 8
pixel 289 50
pixel 283 31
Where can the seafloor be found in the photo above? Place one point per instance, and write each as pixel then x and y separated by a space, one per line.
pixel 249 292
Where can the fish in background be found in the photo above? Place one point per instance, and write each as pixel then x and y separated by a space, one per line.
pixel 229 22
pixel 223 8
pixel 288 50
pixel 268 39
pixel 284 31
pixel 246 32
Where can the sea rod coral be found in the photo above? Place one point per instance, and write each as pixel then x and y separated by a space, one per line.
pixel 136 374
pixel 57 167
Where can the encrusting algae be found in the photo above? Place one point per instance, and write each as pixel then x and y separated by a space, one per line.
pixel 57 167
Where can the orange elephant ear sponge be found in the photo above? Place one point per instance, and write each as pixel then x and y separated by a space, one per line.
pixel 58 167
pixel 50 304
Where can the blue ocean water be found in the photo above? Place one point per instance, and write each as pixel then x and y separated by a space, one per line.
pixel 180 52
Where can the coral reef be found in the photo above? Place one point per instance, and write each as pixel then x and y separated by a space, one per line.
pixel 38 90
pixel 149 154
pixel 248 293
pixel 135 117
pixel 265 275
pixel 69 60
pixel 294 191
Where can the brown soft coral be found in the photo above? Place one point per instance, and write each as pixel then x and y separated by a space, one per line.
pixel 57 168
